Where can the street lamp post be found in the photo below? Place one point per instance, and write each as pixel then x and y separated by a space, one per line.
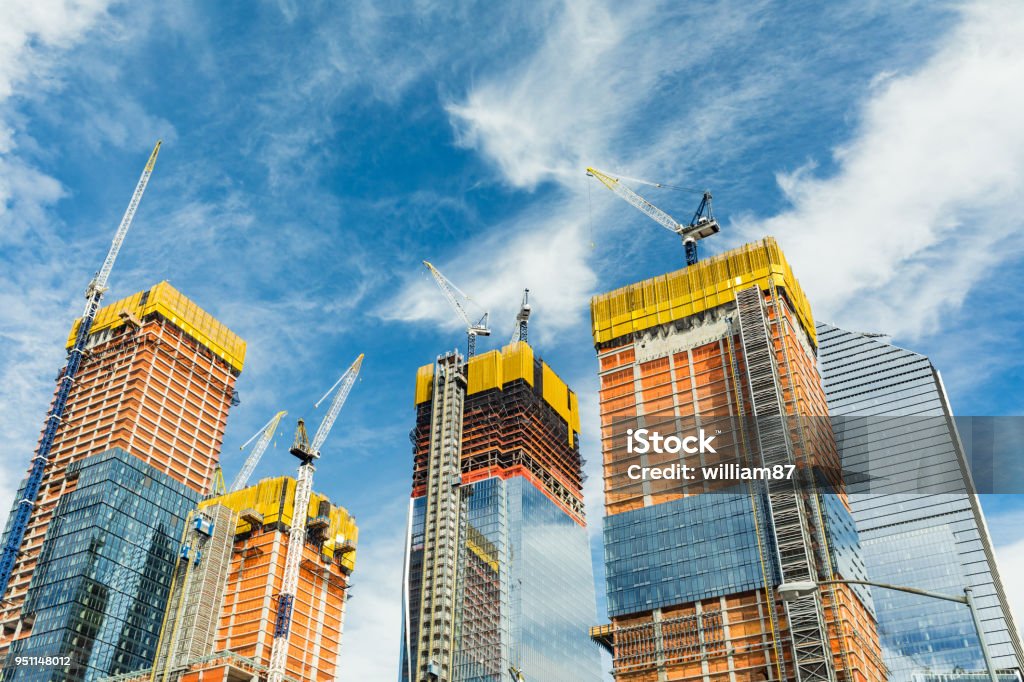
pixel 795 590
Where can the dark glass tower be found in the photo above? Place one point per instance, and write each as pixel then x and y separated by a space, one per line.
pixel 99 590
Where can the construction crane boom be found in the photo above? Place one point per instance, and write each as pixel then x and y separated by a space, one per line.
pixel 456 297
pixel 265 435
pixel 346 382
pixel 307 451
pixel 701 226
pixel 520 332
pixel 93 295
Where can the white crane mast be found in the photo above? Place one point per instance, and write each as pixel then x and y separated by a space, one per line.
pixel 307 453
pixel 456 297
pixel 265 435
pixel 98 285
pixel 520 331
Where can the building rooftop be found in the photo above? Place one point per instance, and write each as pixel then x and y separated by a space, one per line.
pixel 708 284
pixel 170 304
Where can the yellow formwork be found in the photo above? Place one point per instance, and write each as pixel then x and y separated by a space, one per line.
pixel 274 499
pixel 517 362
pixel 172 305
pixel 424 384
pixel 574 411
pixel 485 371
pixel 708 284
pixel 492 369
pixel 556 393
pixel 497 368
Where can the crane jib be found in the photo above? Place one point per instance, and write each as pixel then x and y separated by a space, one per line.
pixel 94 294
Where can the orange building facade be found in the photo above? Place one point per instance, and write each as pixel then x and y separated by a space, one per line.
pixel 693 564
pixel 157 382
pixel 221 612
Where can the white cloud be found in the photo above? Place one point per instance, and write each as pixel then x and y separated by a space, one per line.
pixel 544 253
pixel 33 296
pixel 1010 559
pixel 925 199
pixel 29 28
pixel 577 99
pixel 373 620
pixel 582 97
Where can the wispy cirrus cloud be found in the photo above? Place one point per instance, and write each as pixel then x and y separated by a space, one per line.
pixel 576 99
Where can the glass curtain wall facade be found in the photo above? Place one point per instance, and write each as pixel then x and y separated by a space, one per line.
pixel 527 596
pixel 100 587
pixel 893 424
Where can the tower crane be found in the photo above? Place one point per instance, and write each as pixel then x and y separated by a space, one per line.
pixel 307 451
pixel 265 435
pixel 702 225
pixel 93 295
pixel 456 298
pixel 519 333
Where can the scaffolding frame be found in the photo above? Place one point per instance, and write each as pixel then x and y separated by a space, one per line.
pixel 812 655
pixel 436 626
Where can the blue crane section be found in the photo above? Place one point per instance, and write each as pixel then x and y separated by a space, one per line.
pixel 93 296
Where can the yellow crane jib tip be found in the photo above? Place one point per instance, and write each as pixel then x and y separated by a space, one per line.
pixel 152 157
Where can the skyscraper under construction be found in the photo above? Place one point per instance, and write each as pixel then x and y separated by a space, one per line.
pixel 136 450
pixel 221 615
pixel 498 575
pixel 725 347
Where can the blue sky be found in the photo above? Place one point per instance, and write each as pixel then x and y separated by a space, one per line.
pixel 314 155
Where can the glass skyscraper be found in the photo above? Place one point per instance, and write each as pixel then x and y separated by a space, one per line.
pixel 98 592
pixel 913 500
pixel 498 575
